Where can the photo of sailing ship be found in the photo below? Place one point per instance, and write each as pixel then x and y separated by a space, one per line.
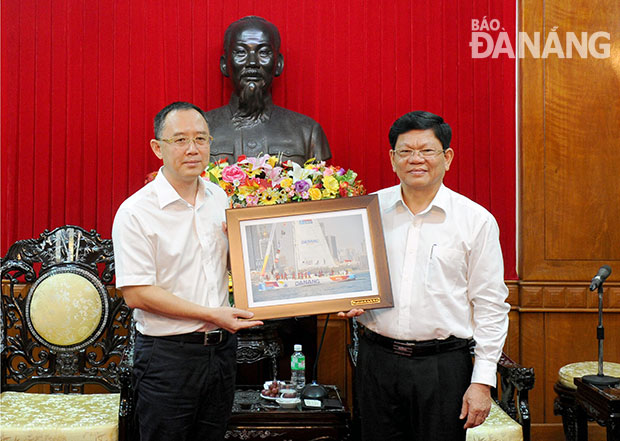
pixel 296 259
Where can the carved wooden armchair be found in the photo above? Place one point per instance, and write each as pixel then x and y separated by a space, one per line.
pixel 63 335
pixel 510 415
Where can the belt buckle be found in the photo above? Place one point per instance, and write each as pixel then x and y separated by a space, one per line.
pixel 213 337
pixel 403 348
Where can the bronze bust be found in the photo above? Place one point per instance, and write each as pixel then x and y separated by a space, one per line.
pixel 251 124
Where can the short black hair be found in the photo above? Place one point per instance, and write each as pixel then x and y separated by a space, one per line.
pixel 160 118
pixel 248 21
pixel 421 120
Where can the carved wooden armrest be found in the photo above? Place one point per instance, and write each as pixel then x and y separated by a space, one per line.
pixel 353 347
pixel 516 381
pixel 126 407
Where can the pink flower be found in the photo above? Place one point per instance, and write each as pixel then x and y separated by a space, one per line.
pixel 233 173
pixel 256 162
pixel 251 200
pixel 274 174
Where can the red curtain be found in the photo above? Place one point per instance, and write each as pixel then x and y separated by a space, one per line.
pixel 82 80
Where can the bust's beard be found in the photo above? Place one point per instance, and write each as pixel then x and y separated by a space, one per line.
pixel 252 105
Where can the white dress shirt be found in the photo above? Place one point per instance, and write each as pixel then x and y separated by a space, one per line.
pixel 447 275
pixel 162 240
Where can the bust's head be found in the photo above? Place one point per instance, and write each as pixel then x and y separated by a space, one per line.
pixel 251 56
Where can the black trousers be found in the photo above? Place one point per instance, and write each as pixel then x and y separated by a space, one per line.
pixel 183 391
pixel 411 398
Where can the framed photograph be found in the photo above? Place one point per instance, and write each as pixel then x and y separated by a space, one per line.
pixel 309 258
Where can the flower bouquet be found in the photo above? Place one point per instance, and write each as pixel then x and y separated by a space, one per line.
pixel 266 180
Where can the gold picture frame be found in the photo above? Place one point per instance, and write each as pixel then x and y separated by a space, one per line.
pixel 309 258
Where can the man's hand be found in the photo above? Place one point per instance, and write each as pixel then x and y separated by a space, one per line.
pixel 476 404
pixel 229 319
pixel 352 313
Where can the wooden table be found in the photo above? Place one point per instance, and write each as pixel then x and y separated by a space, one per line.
pixel 255 418
pixel 600 405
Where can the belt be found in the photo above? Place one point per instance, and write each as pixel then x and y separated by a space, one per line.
pixel 413 348
pixel 209 338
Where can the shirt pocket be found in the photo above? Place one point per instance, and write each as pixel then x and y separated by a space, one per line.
pixel 445 270
pixel 215 241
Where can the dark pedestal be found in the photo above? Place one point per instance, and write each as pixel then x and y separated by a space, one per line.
pixel 566 406
pixel 264 348
pixel 255 418
pixel 600 405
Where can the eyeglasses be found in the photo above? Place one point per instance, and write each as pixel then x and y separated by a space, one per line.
pixel 184 141
pixel 424 153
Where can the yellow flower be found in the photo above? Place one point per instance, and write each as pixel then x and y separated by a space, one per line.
pixel 216 172
pixel 247 189
pixel 331 184
pixel 272 161
pixel 269 197
pixel 286 183
pixel 327 194
pixel 251 171
pixel 282 196
pixel 315 193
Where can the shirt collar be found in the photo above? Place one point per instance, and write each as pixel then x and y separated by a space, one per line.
pixel 166 194
pixel 441 199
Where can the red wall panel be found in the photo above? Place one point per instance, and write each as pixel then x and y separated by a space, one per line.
pixel 82 80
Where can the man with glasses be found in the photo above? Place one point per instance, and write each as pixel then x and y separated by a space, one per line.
pixel 170 249
pixel 251 124
pixel 415 377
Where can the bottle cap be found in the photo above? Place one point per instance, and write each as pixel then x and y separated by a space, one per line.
pixel 297 348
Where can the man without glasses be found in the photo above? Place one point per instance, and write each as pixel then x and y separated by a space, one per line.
pixel 251 124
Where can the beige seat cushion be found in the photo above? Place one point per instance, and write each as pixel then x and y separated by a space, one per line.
pixel 497 427
pixel 59 417
pixel 568 373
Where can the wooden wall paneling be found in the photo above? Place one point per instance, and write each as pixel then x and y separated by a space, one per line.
pixel 556 329
pixel 555 432
pixel 576 297
pixel 567 296
pixel 612 296
pixel 569 221
pixel 581 140
pixel 511 347
pixel 571 337
pixel 334 366
pixel 570 218
pixel 531 135
pixel 531 296
pixel 532 352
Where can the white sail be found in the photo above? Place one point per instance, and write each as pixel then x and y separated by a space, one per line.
pixel 311 248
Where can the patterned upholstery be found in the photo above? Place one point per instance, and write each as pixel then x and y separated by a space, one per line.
pixel 569 372
pixel 59 417
pixel 497 427
pixel 65 309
